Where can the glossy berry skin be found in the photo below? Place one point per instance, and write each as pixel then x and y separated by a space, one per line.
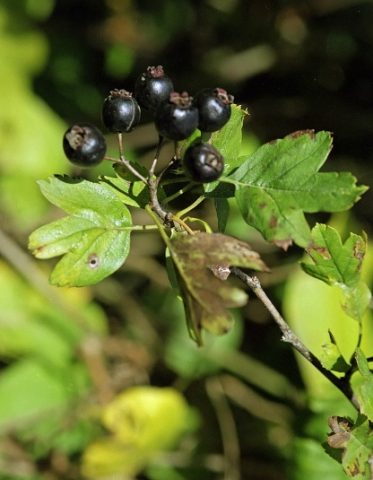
pixel 203 162
pixel 120 112
pixel 152 88
pixel 214 108
pixel 177 118
pixel 84 145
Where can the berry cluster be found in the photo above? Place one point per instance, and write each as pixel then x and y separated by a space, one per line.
pixel 176 117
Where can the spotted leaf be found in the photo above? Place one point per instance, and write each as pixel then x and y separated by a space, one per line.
pixel 94 239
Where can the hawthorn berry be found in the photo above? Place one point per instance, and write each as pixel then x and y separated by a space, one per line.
pixel 84 145
pixel 177 118
pixel 120 112
pixel 152 88
pixel 214 108
pixel 203 162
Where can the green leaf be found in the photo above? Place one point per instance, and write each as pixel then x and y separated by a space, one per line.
pixel 228 141
pixel 332 359
pixel 335 262
pixel 313 310
pixel 309 462
pixel 222 211
pixel 339 264
pixel 133 193
pixel 94 239
pixel 363 386
pixel 356 441
pixel 277 184
pixel 202 262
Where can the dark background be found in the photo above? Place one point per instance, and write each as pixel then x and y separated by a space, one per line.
pixel 294 64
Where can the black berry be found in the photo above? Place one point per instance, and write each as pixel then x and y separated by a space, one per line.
pixel 120 112
pixel 203 162
pixel 152 88
pixel 214 108
pixel 177 118
pixel 84 145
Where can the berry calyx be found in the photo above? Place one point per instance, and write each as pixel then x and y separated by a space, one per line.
pixel 214 108
pixel 203 162
pixel 120 112
pixel 177 118
pixel 152 88
pixel 84 145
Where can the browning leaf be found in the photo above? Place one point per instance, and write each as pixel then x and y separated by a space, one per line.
pixel 199 260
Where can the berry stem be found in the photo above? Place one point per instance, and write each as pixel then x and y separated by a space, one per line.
pixel 156 156
pixel 125 162
pixel 191 207
pixel 133 170
pixel 206 137
pixel 172 181
pixel 120 144
pixel 186 227
pixel 205 225
pixel 180 192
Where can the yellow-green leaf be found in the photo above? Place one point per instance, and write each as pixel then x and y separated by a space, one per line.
pixel 94 240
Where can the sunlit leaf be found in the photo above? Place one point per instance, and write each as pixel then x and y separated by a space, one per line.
pixel 132 193
pixel 339 264
pixel 202 262
pixel 363 386
pixel 94 239
pixel 144 421
pixel 333 261
pixel 228 141
pixel 109 458
pixel 229 138
pixel 136 417
pixel 277 184
pixel 332 359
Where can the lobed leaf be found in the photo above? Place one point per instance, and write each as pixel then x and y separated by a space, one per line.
pixel 339 264
pixel 94 240
pixel 277 184
pixel 202 262
pixel 335 262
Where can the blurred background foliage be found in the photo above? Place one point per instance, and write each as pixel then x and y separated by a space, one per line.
pixel 72 360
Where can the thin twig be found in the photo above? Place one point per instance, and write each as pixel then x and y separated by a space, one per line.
pixel 288 335
pixel 163 214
